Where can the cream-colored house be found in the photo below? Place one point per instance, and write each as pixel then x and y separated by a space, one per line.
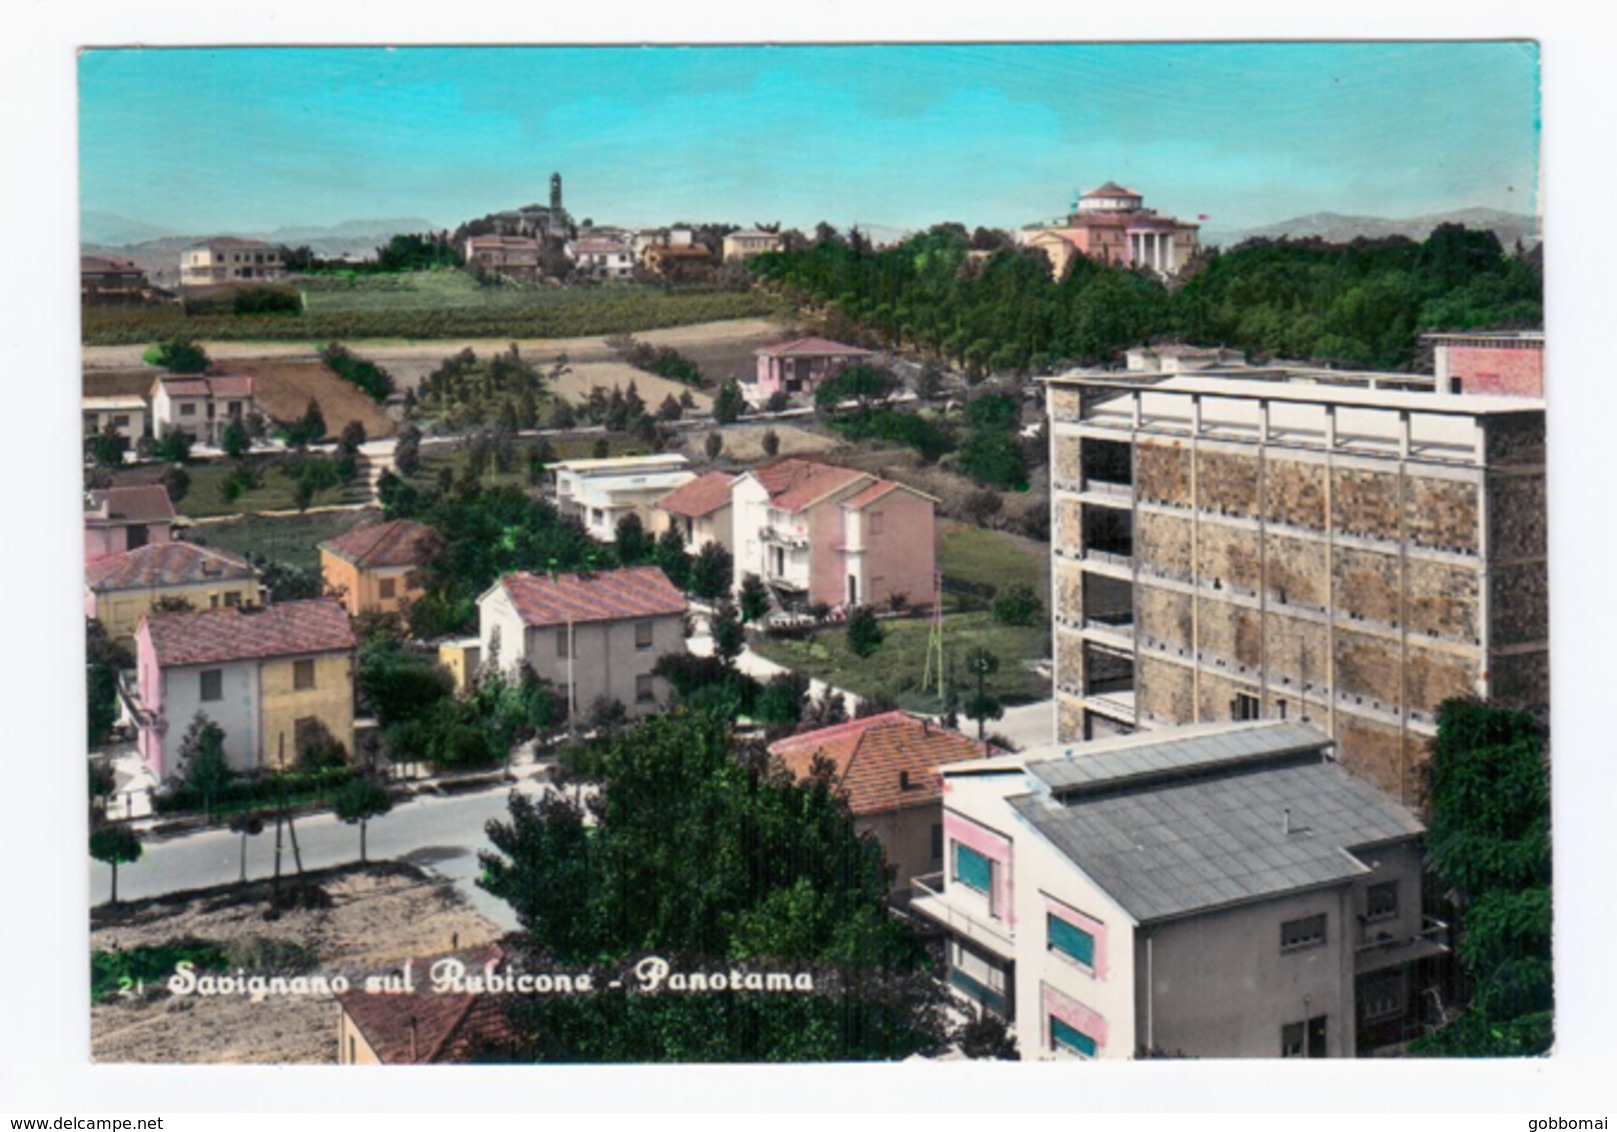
pixel 229 259
pixel 120 589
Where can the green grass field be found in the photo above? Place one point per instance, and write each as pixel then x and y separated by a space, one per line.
pixel 896 668
pixel 993 558
pixel 292 539
pixel 428 305
pixel 566 448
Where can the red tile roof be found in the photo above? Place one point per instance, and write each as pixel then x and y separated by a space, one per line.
pixel 102 265
pixel 812 347
pixel 701 496
pixel 872 493
pixel 401 542
pixel 225 385
pixel 875 757
pixel 291 628
pixel 144 503
pixel 794 484
pixel 609 595
pixel 446 1026
pixel 164 564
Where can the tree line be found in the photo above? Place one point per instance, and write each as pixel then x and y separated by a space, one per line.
pixel 1000 311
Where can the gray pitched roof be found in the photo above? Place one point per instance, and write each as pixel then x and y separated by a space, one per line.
pixel 1181 825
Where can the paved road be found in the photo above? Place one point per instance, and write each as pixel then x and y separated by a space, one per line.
pixel 441 834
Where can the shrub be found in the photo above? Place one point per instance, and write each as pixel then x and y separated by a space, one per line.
pixel 266 300
pixel 369 377
pixel 1017 605
pixel 865 634
pixel 177 355
pixel 173 447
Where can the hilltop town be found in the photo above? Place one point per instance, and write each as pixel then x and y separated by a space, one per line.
pixel 1065 642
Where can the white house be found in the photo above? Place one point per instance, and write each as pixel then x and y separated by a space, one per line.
pixel 600 492
pixel 603 259
pixel 125 413
pixel 591 635
pixel 1218 890
pixel 200 404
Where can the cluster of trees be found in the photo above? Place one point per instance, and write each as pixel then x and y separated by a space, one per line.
pixel 501 391
pixel 984 445
pixel 423 251
pixel 664 361
pixel 424 722
pixel 1489 842
pixel 363 373
pixel 1361 304
pixel 177 355
pixel 105 658
pixel 709 857
pixel 626 412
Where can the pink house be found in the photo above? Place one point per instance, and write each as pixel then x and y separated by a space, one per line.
pixel 822 533
pixel 117 519
pixel 801 364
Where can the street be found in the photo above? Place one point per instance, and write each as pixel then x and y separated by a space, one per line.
pixel 439 834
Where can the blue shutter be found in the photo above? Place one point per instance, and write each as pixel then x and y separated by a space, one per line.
pixel 1071 941
pixel 1069 1037
pixel 972 869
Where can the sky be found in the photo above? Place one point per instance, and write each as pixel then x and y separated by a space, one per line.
pixel 211 140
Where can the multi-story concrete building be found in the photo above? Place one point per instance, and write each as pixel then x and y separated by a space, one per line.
pixel 1220 890
pixel 822 533
pixel 1508 362
pixel 1232 549
pixel 270 677
pixel 601 492
pixel 592 636
pixel 229 259
pixel 200 404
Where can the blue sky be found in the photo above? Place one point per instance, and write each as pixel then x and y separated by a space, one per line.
pixel 212 140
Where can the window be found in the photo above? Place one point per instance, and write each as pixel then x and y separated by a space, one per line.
pixel 1381 901
pixel 1070 940
pixel 121 420
pixel 1071 1039
pixel 561 642
pixel 937 841
pixel 1381 996
pixel 875 523
pixel 188 409
pixel 642 634
pixel 972 869
pixel 233 408
pixel 232 599
pixel 302 675
pixel 385 587
pixel 1299 935
pixel 1244 706
pixel 213 684
pixel 643 691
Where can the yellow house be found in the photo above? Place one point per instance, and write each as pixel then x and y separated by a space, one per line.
pixel 120 589
pixel 461 658
pixel 269 677
pixel 374 568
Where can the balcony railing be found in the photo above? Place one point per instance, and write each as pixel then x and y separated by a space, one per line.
pixel 1108 557
pixel 1431 939
pixel 784 538
pixel 930 899
pixel 1123 491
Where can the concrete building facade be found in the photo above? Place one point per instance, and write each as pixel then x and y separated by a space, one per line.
pixel 602 492
pixel 229 259
pixel 1228 549
pixel 1219 890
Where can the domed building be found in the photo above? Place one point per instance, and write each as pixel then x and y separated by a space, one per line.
pixel 1112 225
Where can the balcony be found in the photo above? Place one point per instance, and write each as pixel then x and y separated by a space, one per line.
pixel 928 898
pixel 1121 492
pixel 1378 954
pixel 780 537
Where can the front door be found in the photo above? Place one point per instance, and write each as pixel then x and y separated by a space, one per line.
pixel 853 590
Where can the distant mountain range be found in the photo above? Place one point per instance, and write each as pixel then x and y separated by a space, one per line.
pixel 157 250
pixel 1335 228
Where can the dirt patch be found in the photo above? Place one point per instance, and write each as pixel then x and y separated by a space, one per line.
pixel 575 385
pixel 744 444
pixel 378 917
pixel 282 389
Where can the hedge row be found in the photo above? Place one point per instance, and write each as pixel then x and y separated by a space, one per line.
pixel 256 790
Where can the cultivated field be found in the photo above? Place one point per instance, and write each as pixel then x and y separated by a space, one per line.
pixel 292 540
pixel 205 497
pixel 378 917
pixel 435 305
